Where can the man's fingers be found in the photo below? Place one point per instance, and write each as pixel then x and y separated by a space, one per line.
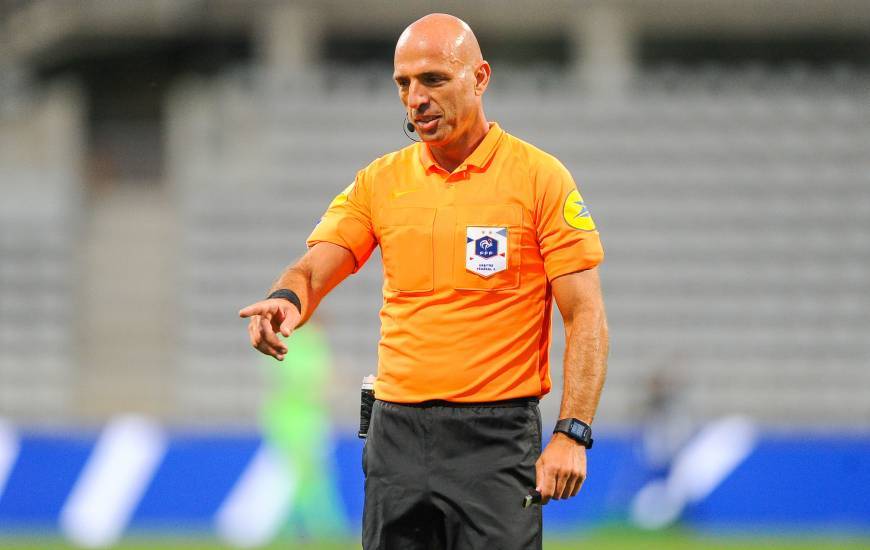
pixel 263 307
pixel 256 337
pixel 571 482
pixel 288 324
pixel 254 330
pixel 251 310
pixel 560 484
pixel 266 349
pixel 563 484
pixel 577 484
pixel 258 340
pixel 548 488
pixel 263 327
pixel 291 318
pixel 580 476
pixel 269 336
pixel 546 482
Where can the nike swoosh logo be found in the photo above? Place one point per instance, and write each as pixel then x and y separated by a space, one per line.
pixel 397 194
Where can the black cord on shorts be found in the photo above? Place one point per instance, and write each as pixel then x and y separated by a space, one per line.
pixel 289 295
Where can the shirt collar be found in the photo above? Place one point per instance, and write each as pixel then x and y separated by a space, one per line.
pixel 479 158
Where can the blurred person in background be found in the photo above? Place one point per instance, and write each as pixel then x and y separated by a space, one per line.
pixel 478 231
pixel 668 422
pixel 295 421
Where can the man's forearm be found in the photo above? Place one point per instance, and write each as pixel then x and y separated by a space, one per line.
pixel 585 364
pixel 315 274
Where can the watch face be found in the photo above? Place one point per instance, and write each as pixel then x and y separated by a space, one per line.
pixel 576 430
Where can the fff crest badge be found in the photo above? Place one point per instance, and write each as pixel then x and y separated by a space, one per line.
pixel 486 250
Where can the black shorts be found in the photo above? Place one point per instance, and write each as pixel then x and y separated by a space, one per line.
pixel 446 477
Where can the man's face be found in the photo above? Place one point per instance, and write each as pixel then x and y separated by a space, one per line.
pixel 438 92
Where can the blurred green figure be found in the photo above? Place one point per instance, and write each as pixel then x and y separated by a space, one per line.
pixel 295 421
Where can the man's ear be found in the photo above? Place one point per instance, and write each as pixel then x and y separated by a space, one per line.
pixel 481 77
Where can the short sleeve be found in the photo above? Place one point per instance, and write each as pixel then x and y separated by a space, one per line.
pixel 348 223
pixel 567 235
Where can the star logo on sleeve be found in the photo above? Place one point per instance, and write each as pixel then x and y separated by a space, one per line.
pixel 576 213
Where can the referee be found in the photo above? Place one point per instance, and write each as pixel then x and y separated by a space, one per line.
pixel 479 233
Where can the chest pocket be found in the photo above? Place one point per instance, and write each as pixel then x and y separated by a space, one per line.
pixel 406 248
pixel 487 245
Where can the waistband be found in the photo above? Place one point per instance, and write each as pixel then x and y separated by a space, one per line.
pixel 518 402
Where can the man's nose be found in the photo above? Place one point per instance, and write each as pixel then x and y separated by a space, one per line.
pixel 417 96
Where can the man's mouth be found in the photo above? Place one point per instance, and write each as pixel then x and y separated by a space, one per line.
pixel 427 123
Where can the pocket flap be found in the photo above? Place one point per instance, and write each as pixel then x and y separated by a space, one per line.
pixel 502 215
pixel 408 215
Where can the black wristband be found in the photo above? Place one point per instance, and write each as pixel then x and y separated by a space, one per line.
pixel 288 295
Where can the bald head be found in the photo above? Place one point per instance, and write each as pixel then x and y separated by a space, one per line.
pixel 441 77
pixel 441 35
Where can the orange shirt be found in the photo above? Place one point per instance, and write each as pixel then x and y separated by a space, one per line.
pixel 468 258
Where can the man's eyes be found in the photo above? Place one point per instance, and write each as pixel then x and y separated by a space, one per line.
pixel 427 80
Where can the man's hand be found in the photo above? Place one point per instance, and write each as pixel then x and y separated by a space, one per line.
pixel 269 317
pixel 561 468
pixel 312 277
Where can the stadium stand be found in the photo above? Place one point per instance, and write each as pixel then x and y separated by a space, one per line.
pixel 733 206
pixel 39 219
pixel 161 162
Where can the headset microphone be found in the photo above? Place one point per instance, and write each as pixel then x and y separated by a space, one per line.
pixel 409 129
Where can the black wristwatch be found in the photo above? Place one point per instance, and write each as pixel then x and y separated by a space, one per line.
pixel 577 430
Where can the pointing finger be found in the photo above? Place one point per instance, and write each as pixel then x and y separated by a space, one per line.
pixel 249 311
pixel 263 307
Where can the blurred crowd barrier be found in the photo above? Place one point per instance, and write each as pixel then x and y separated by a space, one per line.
pixel 134 477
